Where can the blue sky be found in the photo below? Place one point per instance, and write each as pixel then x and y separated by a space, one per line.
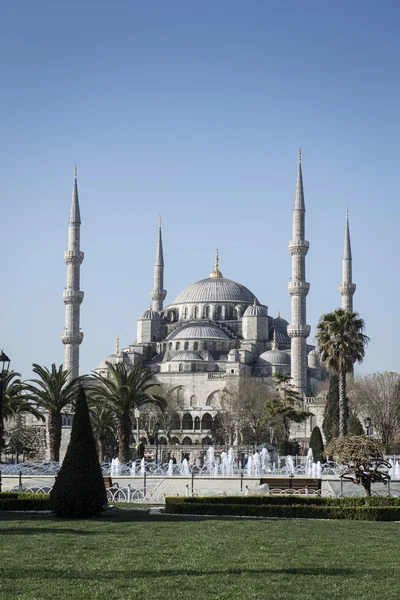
pixel 195 111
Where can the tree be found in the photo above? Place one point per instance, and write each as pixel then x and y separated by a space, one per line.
pixel 79 490
pixel 103 422
pixel 154 418
pixel 377 396
pixel 330 424
pixel 363 459
pixel 52 393
pixel 354 425
pixel 341 343
pixel 243 409
pixel 21 439
pixel 286 404
pixel 124 390
pixel 316 444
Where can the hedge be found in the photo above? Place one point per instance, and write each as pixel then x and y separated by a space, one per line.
pixel 290 500
pixel 329 508
pixel 23 501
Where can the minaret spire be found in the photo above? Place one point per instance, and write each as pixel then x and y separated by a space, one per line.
pixel 158 293
pixel 298 330
pixel 72 336
pixel 347 287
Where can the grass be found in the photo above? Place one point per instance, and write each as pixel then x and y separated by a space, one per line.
pixel 128 554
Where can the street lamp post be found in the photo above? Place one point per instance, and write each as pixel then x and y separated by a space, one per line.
pixel 137 416
pixel 156 441
pixel 368 426
pixel 5 365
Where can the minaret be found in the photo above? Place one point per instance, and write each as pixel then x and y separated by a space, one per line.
pixel 72 336
pixel 347 287
pixel 298 330
pixel 158 293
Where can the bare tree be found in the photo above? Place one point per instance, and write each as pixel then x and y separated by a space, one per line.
pixel 377 397
pixel 243 409
pixel 154 418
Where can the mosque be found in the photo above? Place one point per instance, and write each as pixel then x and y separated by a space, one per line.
pixel 215 332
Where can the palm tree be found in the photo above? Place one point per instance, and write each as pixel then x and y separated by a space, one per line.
pixel 124 390
pixel 103 420
pixel 52 393
pixel 341 343
pixel 14 402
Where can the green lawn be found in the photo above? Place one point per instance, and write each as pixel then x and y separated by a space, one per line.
pixel 128 555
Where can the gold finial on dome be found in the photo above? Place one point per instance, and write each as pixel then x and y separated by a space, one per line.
pixel 216 274
pixel 117 346
pixel 274 341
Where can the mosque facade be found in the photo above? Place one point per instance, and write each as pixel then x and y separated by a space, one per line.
pixel 214 333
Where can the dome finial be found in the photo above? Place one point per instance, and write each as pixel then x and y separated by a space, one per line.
pixel 254 302
pixel 216 273
pixel 274 341
pixel 279 314
pixel 117 346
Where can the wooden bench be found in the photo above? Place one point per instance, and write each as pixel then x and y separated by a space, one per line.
pixel 108 482
pixel 291 485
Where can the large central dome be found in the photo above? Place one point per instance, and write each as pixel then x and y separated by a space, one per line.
pixel 215 290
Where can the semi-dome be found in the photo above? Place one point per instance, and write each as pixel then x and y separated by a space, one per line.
pixel 255 310
pixel 187 355
pixel 274 358
pixel 217 289
pixel 198 331
pixel 149 314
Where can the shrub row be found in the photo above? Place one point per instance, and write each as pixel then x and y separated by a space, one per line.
pixel 292 500
pixel 294 511
pixel 23 501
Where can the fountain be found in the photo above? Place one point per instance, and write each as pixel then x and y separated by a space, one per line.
pixel 142 467
pixel 256 464
pixel 265 461
pixel 170 467
pixel 289 466
pixel 185 469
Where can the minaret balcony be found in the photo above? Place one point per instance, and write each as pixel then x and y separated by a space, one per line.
pixel 298 288
pixel 158 294
pixel 73 257
pixel 72 297
pixel 347 289
pixel 69 337
pixel 298 247
pixel 298 331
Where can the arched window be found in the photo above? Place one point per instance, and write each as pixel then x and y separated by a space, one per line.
pixel 193 367
pixel 196 423
pixel 164 347
pixel 177 345
pixel 180 395
pixel 207 312
pixel 187 441
pixel 169 367
pixel 205 346
pixel 196 346
pixel 180 368
pixel 207 441
pixel 219 312
pixel 193 401
pixel 187 421
pixel 206 421
pixel 170 346
pixel 175 440
pixel 185 312
pixel 186 346
pixel 162 441
pixel 214 345
pixel 175 421
pixel 196 312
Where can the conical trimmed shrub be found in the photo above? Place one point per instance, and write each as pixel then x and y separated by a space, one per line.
pixel 79 489
pixel 316 444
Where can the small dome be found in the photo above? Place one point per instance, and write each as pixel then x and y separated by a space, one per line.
pixel 203 331
pixel 187 355
pixel 255 310
pixel 280 324
pixel 149 314
pixel 113 359
pixel 274 358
